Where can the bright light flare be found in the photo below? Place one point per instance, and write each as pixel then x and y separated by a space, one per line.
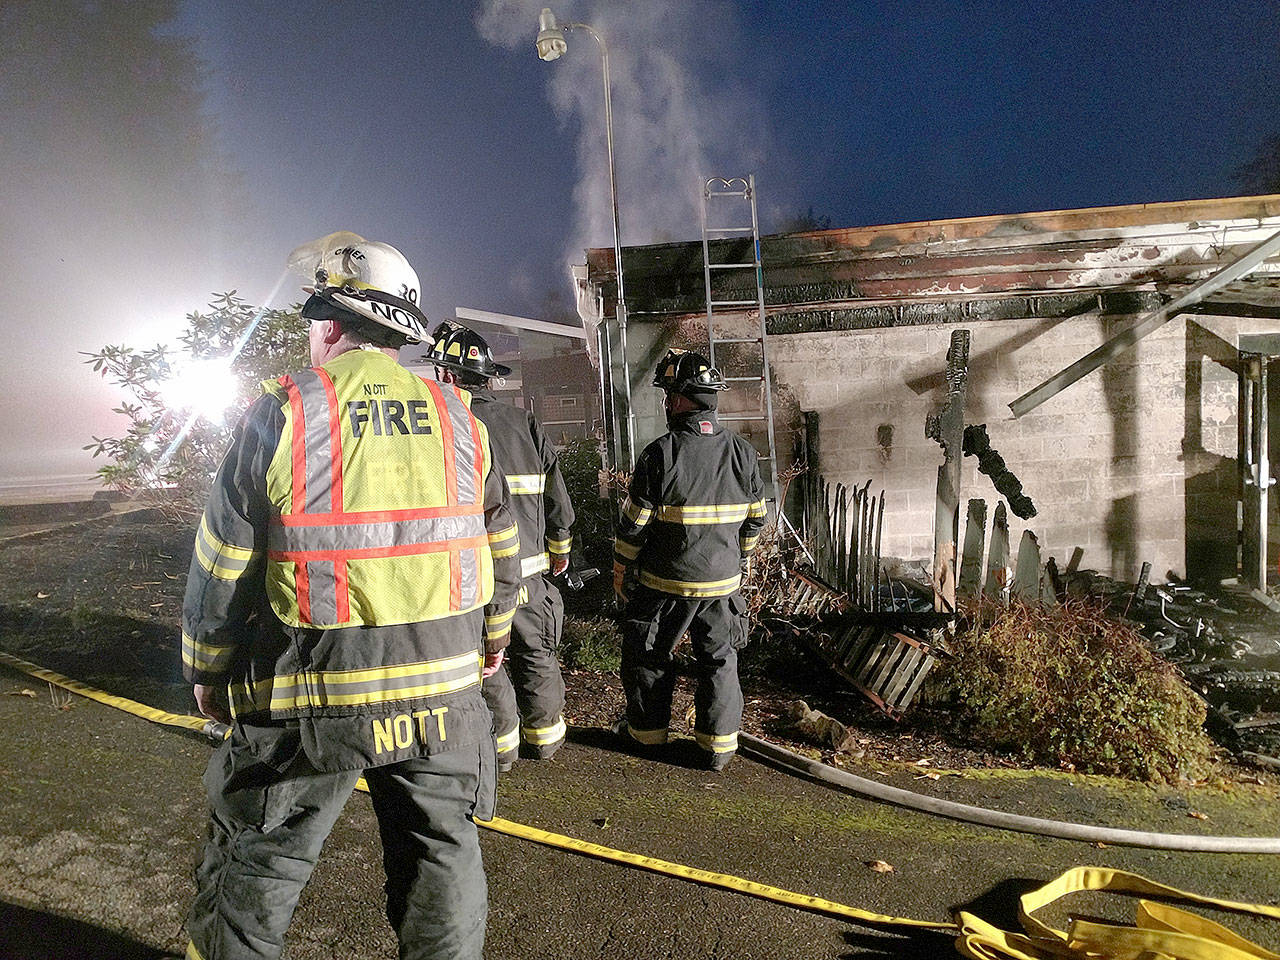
pixel 204 388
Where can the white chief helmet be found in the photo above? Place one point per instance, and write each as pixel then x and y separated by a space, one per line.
pixel 370 279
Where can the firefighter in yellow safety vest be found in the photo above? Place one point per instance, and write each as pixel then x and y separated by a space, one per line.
pixel 528 706
pixel 692 516
pixel 355 544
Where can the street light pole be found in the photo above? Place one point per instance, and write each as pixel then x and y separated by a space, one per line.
pixel 551 44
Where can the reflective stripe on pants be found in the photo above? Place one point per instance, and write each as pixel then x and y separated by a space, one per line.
pixel 651 628
pixel 271 812
pixel 535 671
pixel 500 697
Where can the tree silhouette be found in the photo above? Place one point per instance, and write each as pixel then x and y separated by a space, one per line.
pixel 105 126
pixel 1262 173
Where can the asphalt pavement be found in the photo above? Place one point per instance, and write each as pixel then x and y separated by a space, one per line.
pixel 102 815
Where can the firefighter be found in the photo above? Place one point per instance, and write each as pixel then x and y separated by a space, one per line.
pixel 355 546
pixel 544 514
pixel 691 518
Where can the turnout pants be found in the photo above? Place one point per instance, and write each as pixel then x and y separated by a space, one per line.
pixel 271 812
pixel 653 625
pixel 534 669
pixel 500 696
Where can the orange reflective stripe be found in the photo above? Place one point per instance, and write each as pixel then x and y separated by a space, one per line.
pixel 298 446
pixel 340 587
pixel 358 530
pixel 316 455
pixel 372 553
pixel 478 449
pixel 470 577
pixel 455 579
pixel 463 451
pixel 446 439
pixel 466 437
pixel 377 516
pixel 335 448
pixel 302 587
pixel 315 423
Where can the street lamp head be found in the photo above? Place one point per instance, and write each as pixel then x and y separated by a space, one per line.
pixel 550 42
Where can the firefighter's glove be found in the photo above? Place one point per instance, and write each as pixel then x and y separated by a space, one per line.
pixel 492 664
pixel 559 564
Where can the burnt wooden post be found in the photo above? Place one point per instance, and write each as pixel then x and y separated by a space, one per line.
pixel 947 427
pixel 1026 577
pixel 999 576
pixel 975 541
pixel 1255 472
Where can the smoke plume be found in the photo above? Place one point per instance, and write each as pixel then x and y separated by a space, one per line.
pixel 680 113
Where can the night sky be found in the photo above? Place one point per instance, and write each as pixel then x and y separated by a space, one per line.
pixel 139 183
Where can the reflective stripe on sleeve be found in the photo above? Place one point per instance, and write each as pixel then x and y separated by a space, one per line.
pixel 691 514
pixel 526 483
pixel 756 509
pixel 505 542
pixel 625 550
pixel 560 547
pixel 498 625
pixel 206 657
pixel 747 543
pixel 535 564
pixel 721 743
pixel 543 736
pixel 220 559
pixel 331 688
pixel 691 588
pixel 635 513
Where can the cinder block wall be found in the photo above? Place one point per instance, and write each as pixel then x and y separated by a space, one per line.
pixel 1102 460
pixel 1135 462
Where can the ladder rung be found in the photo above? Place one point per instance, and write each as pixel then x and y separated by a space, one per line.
pixel 761 418
pixel 734 303
pixel 729 230
pixel 743 379
pixel 731 266
pixel 736 340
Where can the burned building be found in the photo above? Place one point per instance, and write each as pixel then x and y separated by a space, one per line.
pixel 1161 453
pixel 563 392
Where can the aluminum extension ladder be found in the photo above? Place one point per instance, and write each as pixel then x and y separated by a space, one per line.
pixel 729 198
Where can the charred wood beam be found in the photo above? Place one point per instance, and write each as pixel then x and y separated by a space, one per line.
pixel 947 427
pixel 1241 266
pixel 785 318
pixel 999 574
pixel 991 464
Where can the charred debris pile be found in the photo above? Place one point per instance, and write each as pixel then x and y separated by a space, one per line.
pixel 882 625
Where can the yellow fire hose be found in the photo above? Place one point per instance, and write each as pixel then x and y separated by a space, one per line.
pixel 1159 931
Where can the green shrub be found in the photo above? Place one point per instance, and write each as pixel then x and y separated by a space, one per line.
pixel 169 452
pixel 1068 686
pixel 581 466
pixel 591 643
